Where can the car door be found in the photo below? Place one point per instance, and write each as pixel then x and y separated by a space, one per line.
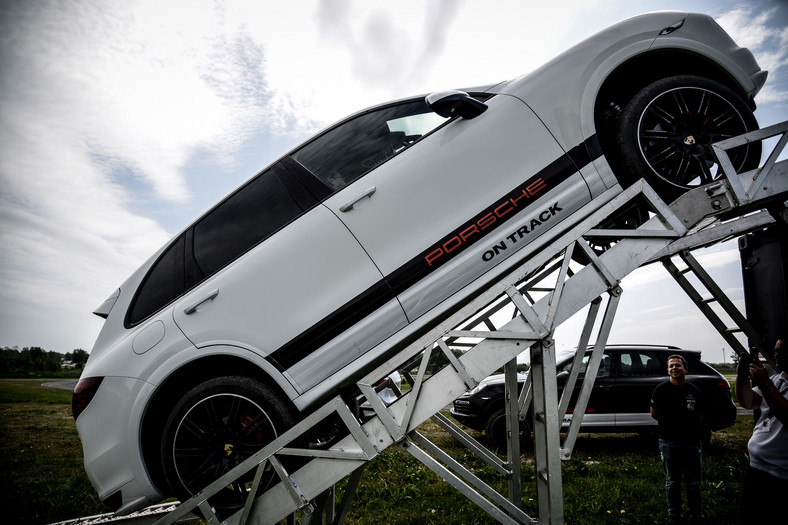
pixel 459 200
pixel 599 410
pixel 279 274
pixel 638 373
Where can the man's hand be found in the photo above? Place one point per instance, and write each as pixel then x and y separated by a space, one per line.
pixel 747 398
pixel 743 368
pixel 758 372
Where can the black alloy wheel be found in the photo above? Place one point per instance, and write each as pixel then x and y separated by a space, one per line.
pixel 666 131
pixel 214 428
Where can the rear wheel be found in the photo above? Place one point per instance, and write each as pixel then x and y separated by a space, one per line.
pixel 216 426
pixel 666 131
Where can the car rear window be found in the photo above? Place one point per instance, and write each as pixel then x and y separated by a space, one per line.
pixel 164 282
pixel 701 368
pixel 603 371
pixel 254 212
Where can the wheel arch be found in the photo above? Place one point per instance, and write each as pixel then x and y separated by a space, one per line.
pixel 628 78
pixel 492 406
pixel 175 386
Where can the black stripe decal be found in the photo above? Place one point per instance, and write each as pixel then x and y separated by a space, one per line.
pixel 481 225
pixel 430 260
pixel 333 325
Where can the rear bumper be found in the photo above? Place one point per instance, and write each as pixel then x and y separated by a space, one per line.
pixel 111 446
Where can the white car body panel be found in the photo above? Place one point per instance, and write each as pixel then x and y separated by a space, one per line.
pixel 454 172
pixel 349 346
pixel 541 216
pixel 384 350
pixel 575 76
pixel 591 420
pixel 258 295
pixel 105 450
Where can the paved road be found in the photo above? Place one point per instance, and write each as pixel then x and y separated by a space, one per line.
pixel 67 384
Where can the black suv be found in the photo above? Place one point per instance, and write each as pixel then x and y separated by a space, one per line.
pixel 619 401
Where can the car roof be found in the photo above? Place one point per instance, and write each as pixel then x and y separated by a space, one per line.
pixel 659 348
pixel 691 356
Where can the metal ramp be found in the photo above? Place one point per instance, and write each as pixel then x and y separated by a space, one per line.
pixel 305 477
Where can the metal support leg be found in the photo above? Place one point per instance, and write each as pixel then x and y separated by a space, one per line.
pixel 350 492
pixel 590 376
pixel 493 508
pixel 513 433
pixel 547 426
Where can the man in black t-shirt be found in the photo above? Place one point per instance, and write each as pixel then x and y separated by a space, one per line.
pixel 677 405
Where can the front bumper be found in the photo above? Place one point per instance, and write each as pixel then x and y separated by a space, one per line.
pixel 460 411
pixel 109 429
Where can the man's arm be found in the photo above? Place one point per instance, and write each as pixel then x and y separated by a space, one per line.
pixel 777 403
pixel 654 402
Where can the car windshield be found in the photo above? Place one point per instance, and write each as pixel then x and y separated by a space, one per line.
pixel 349 150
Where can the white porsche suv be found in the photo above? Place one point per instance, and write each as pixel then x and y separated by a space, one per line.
pixel 339 253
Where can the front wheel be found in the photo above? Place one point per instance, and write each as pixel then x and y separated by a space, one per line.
pixel 666 131
pixel 495 431
pixel 216 426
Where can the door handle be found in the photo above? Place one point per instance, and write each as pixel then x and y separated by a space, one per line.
pixel 349 204
pixel 193 308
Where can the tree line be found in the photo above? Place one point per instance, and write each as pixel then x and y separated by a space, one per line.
pixel 35 360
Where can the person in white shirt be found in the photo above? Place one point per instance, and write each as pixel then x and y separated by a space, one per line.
pixel 766 481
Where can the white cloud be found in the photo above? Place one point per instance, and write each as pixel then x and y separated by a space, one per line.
pixel 753 28
pixel 762 33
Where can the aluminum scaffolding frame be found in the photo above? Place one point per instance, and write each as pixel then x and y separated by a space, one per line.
pixel 306 489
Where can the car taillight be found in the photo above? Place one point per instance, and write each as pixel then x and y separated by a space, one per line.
pixel 723 383
pixel 83 393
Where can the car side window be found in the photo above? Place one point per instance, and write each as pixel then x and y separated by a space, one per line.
pixel 244 219
pixel 164 282
pixel 641 364
pixel 604 366
pixel 257 210
pixel 349 150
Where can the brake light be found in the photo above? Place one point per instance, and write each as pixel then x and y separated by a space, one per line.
pixel 723 383
pixel 83 394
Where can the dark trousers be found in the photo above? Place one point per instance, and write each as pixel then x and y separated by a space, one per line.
pixel 763 500
pixel 682 460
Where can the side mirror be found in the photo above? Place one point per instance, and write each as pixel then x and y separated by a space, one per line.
pixel 450 103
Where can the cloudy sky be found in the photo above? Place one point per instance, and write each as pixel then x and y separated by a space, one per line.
pixel 122 120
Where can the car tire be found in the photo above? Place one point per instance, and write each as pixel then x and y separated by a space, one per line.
pixel 495 431
pixel 213 428
pixel 666 131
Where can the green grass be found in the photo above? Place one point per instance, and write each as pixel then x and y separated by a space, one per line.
pixel 614 478
pixel 611 478
pixel 43 480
